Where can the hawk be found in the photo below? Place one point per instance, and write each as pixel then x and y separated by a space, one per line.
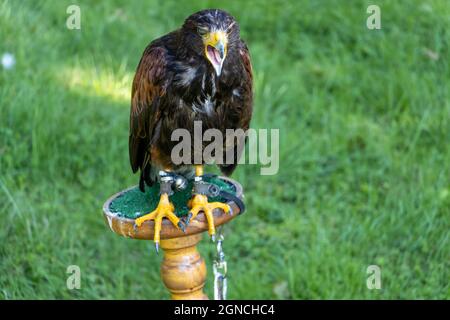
pixel 200 72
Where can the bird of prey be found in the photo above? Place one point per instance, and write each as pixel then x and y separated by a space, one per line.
pixel 199 72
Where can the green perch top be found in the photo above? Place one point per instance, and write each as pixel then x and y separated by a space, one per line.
pixel 133 203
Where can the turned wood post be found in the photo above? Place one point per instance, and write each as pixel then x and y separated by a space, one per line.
pixel 183 270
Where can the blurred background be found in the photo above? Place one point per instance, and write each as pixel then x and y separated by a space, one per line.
pixel 364 149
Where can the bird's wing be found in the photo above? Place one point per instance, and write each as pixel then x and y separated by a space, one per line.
pixel 245 55
pixel 247 89
pixel 149 86
pixel 241 109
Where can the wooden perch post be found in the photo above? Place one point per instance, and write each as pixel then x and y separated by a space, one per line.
pixel 183 270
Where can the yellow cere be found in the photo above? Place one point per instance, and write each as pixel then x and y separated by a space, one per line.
pixel 216 37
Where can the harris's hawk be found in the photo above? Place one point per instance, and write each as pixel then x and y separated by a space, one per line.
pixel 200 72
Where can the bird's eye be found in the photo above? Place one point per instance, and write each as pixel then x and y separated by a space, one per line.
pixel 202 31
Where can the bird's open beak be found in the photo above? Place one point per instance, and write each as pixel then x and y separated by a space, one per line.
pixel 216 49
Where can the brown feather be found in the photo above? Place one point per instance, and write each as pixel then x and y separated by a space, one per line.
pixel 148 87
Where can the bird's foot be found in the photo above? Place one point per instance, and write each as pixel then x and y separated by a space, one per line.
pixel 165 209
pixel 200 203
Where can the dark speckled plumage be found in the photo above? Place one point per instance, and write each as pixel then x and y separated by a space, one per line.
pixel 176 85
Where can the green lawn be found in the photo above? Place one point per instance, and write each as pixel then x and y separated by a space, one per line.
pixel 364 119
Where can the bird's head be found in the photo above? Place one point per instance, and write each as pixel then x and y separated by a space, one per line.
pixel 212 33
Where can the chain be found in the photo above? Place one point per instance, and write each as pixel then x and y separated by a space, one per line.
pixel 220 269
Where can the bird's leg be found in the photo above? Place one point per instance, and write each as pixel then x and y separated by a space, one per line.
pixel 165 209
pixel 200 203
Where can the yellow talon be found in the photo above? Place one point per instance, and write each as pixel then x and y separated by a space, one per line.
pixel 165 209
pixel 200 203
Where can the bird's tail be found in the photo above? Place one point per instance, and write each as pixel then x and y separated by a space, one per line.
pixel 148 177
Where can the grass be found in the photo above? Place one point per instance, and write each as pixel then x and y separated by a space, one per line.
pixel 364 150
